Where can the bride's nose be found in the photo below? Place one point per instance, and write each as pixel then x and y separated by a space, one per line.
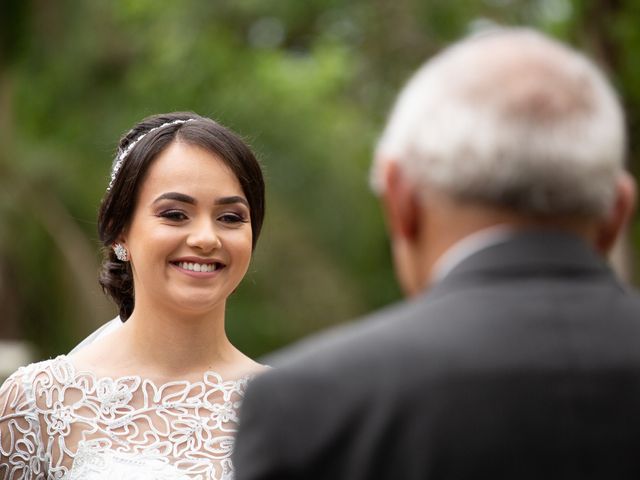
pixel 204 236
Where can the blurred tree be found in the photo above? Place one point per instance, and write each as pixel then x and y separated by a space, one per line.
pixel 48 240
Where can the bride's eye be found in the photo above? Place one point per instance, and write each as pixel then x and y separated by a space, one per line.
pixel 173 215
pixel 232 218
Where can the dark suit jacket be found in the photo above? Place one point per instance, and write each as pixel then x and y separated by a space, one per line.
pixel 523 363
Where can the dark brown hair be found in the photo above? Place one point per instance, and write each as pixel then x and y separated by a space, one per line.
pixel 118 204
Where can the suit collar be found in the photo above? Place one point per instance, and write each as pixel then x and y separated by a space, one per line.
pixel 530 253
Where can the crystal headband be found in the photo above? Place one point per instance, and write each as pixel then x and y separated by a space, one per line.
pixel 123 155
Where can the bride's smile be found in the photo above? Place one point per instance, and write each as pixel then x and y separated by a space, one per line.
pixel 202 266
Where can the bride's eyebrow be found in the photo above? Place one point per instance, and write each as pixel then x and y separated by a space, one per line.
pixel 180 197
pixel 231 200
pixel 184 198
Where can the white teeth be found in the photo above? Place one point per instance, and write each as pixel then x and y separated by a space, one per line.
pixel 198 267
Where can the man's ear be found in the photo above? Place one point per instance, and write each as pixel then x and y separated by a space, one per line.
pixel 623 207
pixel 401 204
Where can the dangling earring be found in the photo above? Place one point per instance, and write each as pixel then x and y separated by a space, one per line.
pixel 121 252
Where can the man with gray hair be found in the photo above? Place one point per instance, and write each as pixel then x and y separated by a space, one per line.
pixel 501 172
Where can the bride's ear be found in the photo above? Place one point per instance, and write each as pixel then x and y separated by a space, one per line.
pixel 620 214
pixel 121 248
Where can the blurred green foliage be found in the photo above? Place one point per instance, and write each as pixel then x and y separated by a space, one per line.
pixel 307 83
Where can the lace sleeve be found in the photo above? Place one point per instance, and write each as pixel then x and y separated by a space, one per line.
pixel 18 430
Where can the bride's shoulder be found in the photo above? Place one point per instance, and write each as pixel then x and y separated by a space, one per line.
pixel 244 368
pixel 27 376
pixel 18 393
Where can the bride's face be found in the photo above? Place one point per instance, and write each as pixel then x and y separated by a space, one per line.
pixel 189 240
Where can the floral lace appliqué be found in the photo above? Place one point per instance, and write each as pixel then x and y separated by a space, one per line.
pixel 56 423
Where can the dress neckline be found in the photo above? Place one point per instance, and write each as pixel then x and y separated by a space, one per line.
pixel 207 377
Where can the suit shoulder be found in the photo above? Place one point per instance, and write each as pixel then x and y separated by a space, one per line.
pixel 357 342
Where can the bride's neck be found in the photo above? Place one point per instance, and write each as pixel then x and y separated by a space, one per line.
pixel 177 343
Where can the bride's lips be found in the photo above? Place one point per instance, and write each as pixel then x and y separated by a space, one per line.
pixel 198 267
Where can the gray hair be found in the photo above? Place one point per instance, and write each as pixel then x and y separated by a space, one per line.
pixel 510 118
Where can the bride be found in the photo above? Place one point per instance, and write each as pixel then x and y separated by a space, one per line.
pixel 158 397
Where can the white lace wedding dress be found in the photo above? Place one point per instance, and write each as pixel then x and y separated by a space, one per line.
pixel 59 423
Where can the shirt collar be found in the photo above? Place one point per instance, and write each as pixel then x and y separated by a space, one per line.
pixel 466 247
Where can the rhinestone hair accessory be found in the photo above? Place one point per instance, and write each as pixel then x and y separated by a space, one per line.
pixel 124 153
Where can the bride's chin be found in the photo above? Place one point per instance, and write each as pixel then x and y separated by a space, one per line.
pixel 195 306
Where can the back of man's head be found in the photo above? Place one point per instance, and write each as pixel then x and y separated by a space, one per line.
pixel 513 119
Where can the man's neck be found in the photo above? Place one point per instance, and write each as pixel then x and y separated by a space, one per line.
pixel 452 230
pixel 466 247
